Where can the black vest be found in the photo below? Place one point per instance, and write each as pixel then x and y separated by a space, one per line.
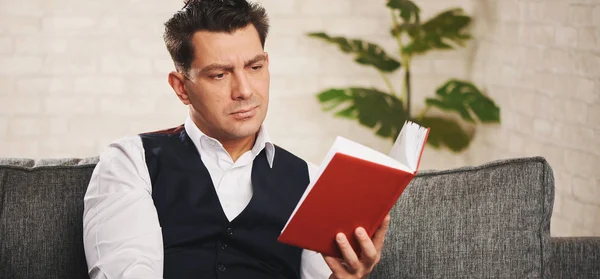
pixel 199 241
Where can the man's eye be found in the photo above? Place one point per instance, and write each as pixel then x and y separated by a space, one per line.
pixel 257 67
pixel 219 76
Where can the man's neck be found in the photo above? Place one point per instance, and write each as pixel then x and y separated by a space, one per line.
pixel 237 147
pixel 234 146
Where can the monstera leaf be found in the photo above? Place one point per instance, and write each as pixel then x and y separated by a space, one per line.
pixel 464 98
pixel 372 108
pixel 443 31
pixel 365 53
pixel 446 132
pixel 409 11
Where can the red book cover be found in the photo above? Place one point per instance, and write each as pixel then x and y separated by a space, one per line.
pixel 349 193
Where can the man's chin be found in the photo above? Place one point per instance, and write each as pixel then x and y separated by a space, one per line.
pixel 244 129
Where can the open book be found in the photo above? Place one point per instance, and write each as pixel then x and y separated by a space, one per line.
pixel 356 187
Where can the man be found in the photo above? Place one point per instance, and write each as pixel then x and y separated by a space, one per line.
pixel 209 198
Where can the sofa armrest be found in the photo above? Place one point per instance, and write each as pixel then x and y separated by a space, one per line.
pixel 575 257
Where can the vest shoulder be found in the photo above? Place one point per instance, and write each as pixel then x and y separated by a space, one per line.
pixel 288 157
pixel 282 151
pixel 164 139
pixel 175 131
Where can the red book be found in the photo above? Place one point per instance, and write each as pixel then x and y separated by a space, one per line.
pixel 356 187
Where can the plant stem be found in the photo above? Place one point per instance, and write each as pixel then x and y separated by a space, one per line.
pixel 406 63
pixel 423 112
pixel 406 60
pixel 397 36
pixel 407 86
pixel 388 83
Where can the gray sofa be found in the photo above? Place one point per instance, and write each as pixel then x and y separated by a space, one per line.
pixel 490 221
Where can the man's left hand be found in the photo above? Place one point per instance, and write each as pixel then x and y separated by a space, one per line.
pixel 354 266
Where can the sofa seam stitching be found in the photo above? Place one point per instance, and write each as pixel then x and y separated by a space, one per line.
pixel 484 166
pixel 56 167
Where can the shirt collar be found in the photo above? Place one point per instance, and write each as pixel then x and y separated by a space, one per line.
pixel 263 141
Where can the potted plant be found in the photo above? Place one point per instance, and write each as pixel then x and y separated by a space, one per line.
pixel 461 103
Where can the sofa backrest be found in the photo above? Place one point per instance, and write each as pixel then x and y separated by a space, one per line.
pixel 41 212
pixel 490 221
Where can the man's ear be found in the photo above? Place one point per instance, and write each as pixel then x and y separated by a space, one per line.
pixel 176 80
pixel 267 58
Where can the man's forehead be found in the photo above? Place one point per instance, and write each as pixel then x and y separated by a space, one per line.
pixel 214 47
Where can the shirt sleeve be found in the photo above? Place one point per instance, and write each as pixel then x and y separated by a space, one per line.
pixel 312 265
pixel 121 232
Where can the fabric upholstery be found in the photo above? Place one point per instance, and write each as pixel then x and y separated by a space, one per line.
pixel 41 210
pixel 490 221
pixel 576 257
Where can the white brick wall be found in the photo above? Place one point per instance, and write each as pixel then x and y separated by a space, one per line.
pixel 75 75
pixel 550 106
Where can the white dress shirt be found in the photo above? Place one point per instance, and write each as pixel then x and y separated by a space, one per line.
pixel 121 232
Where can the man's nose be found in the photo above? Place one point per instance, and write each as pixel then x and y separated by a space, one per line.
pixel 240 88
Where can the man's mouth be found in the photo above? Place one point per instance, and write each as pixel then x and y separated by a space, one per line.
pixel 245 113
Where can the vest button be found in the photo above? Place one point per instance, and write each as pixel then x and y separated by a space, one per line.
pixel 230 231
pixel 223 246
pixel 221 268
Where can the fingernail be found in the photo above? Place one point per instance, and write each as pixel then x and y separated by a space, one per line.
pixel 340 237
pixel 361 232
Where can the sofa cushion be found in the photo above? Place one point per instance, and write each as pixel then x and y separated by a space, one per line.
pixel 575 257
pixel 41 211
pixel 490 221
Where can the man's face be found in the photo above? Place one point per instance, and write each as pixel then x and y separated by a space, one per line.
pixel 228 85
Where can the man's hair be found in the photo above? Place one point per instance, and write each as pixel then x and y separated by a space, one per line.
pixel 210 15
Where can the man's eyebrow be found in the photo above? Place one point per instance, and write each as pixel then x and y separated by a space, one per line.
pixel 229 68
pixel 256 59
pixel 217 67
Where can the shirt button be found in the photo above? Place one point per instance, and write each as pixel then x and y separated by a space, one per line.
pixel 221 267
pixel 223 246
pixel 230 231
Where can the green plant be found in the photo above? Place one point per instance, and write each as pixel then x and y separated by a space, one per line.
pixel 386 112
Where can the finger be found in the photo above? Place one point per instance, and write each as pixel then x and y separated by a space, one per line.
pixel 348 253
pixel 379 236
pixel 369 252
pixel 336 266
